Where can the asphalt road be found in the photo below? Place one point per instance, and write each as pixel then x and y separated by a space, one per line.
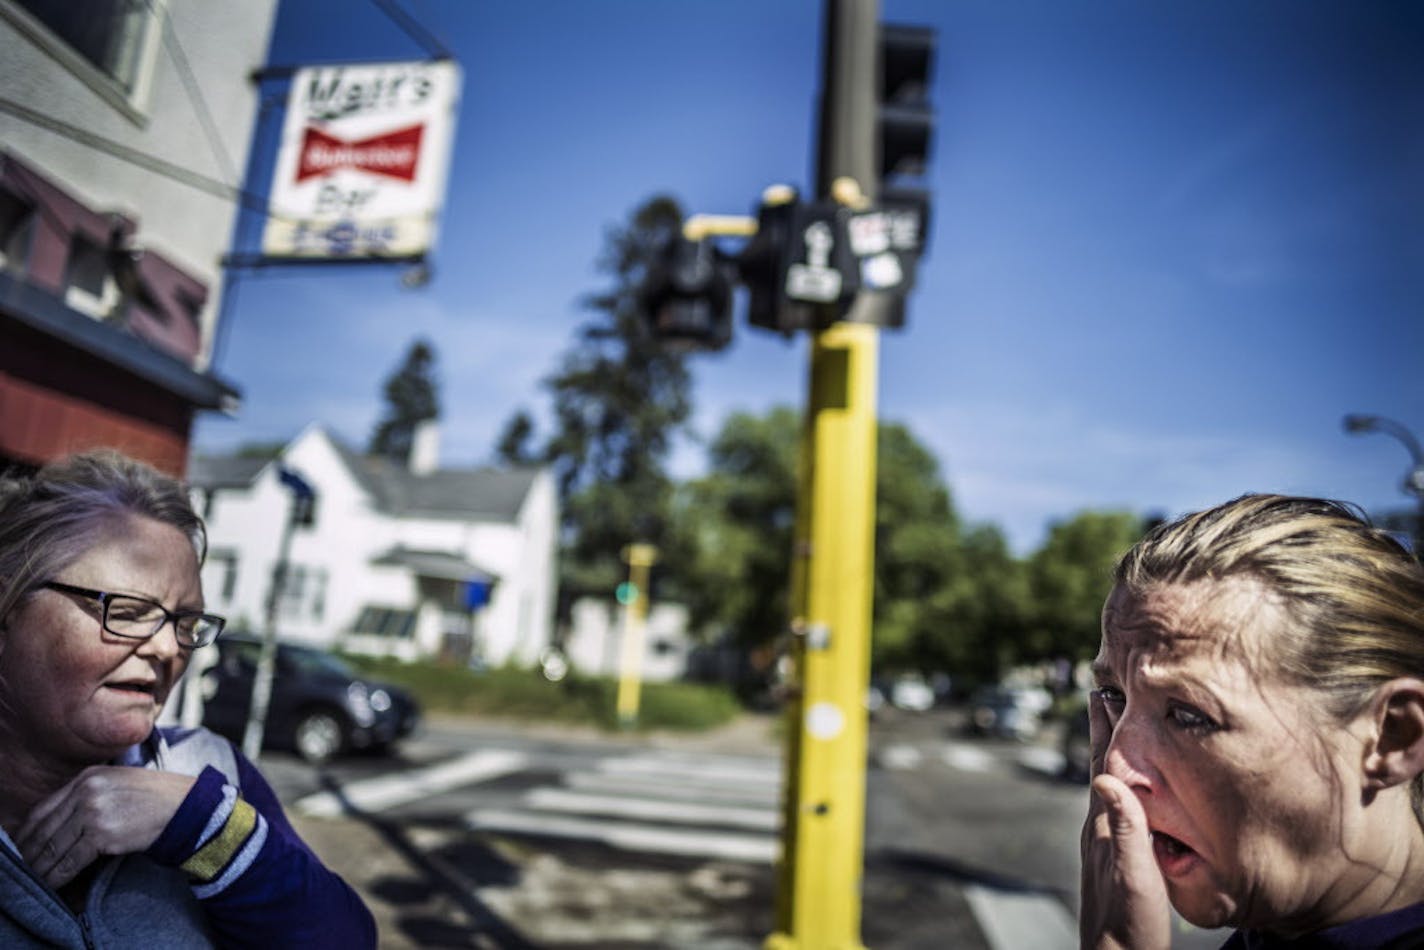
pixel 481 835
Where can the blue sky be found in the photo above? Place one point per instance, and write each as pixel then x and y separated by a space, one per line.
pixel 1172 244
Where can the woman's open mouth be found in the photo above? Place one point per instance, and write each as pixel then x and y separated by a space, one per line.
pixel 134 687
pixel 1173 856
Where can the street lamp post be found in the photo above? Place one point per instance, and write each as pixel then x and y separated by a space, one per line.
pixel 1414 479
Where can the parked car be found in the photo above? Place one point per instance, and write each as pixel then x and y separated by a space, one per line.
pixel 1008 712
pixel 1077 747
pixel 320 706
pixel 911 693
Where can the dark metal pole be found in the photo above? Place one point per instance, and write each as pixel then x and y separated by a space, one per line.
pixel 302 495
pixel 267 657
pixel 849 135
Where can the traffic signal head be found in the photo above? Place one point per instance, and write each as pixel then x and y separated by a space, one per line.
pixel 764 260
pixel 906 118
pixel 687 294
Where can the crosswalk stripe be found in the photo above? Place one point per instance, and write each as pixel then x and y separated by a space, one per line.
pixel 722 772
pixel 968 758
pixel 761 849
pixel 388 791
pixel 667 787
pixel 900 757
pixel 1011 920
pixel 686 812
pixel 1041 759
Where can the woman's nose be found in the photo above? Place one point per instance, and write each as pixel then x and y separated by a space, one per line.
pixel 1129 755
pixel 163 644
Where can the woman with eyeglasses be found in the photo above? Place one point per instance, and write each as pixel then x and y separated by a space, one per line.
pixel 115 832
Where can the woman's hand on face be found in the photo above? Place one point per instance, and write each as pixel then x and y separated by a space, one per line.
pixel 1125 902
pixel 106 809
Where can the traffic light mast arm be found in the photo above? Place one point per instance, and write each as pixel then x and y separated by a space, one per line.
pixel 699 227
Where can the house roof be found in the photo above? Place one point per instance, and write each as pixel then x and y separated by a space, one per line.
pixel 489 494
pixel 227 471
pixel 482 494
pixel 443 564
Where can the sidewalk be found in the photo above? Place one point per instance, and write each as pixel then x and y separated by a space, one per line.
pixel 444 887
pixel 434 886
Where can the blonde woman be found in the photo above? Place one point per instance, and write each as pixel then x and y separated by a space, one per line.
pixel 1258 734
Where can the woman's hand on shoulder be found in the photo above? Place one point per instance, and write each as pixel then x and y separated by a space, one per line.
pixel 1125 902
pixel 106 809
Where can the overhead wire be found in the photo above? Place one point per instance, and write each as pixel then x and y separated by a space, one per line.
pixel 414 29
pixel 137 157
pixel 194 92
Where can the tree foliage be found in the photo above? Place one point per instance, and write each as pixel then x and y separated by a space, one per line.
pixel 619 399
pixel 944 598
pixel 411 397
pixel 737 523
pixel 1070 577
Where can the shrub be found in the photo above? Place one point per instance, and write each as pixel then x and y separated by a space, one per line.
pixel 516 693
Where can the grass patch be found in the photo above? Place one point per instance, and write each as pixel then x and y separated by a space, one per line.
pixel 516 693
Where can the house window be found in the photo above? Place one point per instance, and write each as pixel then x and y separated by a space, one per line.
pixel 109 45
pixel 109 34
pixel 220 577
pixel 293 588
pixel 303 593
pixel 17 226
pixel 227 583
pixel 391 622
pixel 318 594
pixel 88 286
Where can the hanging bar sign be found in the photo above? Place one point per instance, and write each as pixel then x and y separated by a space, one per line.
pixel 362 165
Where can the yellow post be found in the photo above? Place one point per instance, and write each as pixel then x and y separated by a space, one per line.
pixel 640 558
pixel 833 583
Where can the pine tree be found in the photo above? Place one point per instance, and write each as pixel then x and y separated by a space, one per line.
pixel 619 399
pixel 412 397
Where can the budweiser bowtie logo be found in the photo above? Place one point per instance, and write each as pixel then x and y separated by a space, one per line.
pixel 393 154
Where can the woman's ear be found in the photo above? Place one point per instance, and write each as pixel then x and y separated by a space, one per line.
pixel 1395 754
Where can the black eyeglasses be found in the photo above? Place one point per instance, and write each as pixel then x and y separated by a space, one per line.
pixel 138 618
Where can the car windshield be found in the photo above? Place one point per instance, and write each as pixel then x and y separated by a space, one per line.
pixel 314 661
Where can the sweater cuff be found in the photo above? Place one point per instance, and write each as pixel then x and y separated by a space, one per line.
pixel 184 832
pixel 213 837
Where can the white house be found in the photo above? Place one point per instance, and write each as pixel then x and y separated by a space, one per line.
pixel 594 643
pixel 411 561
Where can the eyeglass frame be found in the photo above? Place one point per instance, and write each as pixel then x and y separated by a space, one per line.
pixel 105 598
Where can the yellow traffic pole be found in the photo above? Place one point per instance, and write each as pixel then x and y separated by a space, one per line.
pixel 833 577
pixel 640 558
pixel 819 901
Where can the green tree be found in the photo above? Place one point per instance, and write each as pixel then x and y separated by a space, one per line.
pixel 944 599
pixel 1070 577
pixel 619 399
pixel 411 397
pixel 260 450
pixel 918 550
pixel 737 522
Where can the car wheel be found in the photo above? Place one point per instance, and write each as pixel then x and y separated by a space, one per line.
pixel 318 736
